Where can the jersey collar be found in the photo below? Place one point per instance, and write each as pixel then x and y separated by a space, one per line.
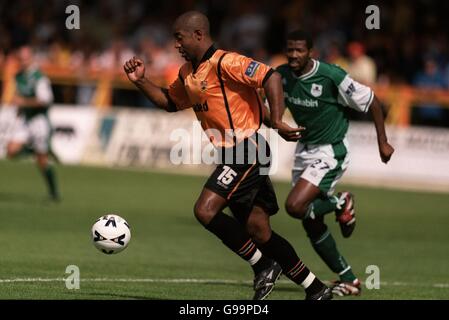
pixel 312 71
pixel 207 55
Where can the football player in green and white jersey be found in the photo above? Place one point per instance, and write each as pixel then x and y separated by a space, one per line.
pixel 317 95
pixel 32 129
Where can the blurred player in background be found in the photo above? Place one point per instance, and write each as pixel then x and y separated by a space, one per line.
pixel 32 129
pixel 317 93
pixel 221 88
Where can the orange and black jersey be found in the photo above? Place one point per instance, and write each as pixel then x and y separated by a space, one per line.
pixel 222 92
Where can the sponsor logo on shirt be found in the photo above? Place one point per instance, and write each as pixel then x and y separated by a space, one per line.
pixel 310 103
pixel 252 67
pixel 316 90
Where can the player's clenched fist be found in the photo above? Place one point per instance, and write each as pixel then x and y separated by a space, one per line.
pixel 386 150
pixel 135 69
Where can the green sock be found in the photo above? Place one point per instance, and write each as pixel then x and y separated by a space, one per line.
pixel 320 207
pixel 326 248
pixel 347 276
pixel 50 179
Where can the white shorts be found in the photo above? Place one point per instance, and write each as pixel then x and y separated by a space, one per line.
pixel 35 132
pixel 321 165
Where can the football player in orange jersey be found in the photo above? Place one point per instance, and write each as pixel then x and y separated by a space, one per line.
pixel 221 86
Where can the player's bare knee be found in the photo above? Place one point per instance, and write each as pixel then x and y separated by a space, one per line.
pixel 203 213
pixel 296 209
pixel 11 151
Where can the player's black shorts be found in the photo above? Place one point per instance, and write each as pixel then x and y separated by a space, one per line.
pixel 242 177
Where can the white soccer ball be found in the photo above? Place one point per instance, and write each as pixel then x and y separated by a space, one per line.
pixel 111 234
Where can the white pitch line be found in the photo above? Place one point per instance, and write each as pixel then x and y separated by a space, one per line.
pixel 203 281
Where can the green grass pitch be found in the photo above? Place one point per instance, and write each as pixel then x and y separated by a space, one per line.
pixel 171 256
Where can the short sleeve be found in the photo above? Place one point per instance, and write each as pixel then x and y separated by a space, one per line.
pixel 177 95
pixel 354 94
pixel 44 94
pixel 244 70
pixel 334 71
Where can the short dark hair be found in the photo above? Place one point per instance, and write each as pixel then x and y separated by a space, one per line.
pixel 301 35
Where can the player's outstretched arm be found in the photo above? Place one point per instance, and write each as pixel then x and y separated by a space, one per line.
pixel 385 149
pixel 275 97
pixel 135 70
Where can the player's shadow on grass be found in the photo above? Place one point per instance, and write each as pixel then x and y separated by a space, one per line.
pixel 293 288
pixel 280 287
pixel 20 198
pixel 106 295
pixel 28 199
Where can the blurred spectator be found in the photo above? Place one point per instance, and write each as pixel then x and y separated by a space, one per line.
pixel 446 74
pixel 85 61
pixel 335 56
pixel 245 28
pixel 113 30
pixel 59 54
pixel 113 58
pixel 277 60
pixel 361 67
pixel 2 58
pixel 154 29
pixel 431 77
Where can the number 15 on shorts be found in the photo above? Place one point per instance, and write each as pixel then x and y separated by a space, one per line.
pixel 227 175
